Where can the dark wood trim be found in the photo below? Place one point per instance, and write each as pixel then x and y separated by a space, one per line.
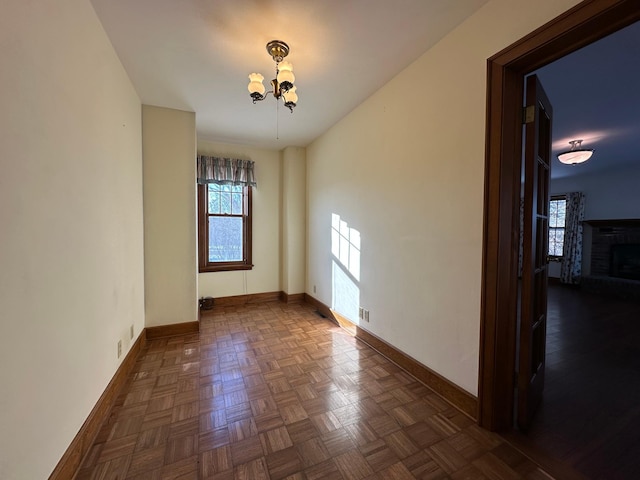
pixel 455 395
pixel 225 267
pixel 203 236
pixel 498 300
pixel 204 265
pixel 292 298
pixel 74 455
pixel 245 299
pixel 72 458
pixel 318 305
pixel 172 330
pixel 585 23
pixel 248 226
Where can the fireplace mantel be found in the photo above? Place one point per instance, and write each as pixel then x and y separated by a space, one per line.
pixel 622 222
pixel 607 236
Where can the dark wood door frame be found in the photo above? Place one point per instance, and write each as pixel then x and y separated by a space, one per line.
pixel 585 23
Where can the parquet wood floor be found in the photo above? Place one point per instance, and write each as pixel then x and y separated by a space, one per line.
pixel 274 391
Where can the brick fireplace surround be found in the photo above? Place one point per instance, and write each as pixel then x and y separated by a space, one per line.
pixel 605 234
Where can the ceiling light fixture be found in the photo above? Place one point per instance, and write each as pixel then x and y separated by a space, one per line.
pixel 576 154
pixel 283 83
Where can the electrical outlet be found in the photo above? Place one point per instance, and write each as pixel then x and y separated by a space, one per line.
pixel 314 289
pixel 131 331
pixel 366 315
pixel 360 312
pixel 119 348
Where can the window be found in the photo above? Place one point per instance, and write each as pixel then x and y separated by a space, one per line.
pixel 557 213
pixel 224 227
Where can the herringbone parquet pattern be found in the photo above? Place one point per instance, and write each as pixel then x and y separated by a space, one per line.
pixel 274 391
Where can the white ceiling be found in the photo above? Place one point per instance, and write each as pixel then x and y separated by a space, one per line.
pixel 195 55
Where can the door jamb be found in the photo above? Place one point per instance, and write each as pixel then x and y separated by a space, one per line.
pixel 585 23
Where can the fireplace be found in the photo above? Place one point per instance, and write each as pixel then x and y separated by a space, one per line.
pixel 625 261
pixel 615 258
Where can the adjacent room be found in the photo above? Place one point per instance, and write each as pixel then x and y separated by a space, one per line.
pixel 588 413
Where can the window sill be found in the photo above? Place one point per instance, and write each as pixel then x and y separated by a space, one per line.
pixel 223 268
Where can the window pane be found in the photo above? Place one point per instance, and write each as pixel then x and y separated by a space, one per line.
pixel 225 203
pixel 214 199
pixel 556 241
pixel 557 212
pixel 553 213
pixel 562 212
pixel 236 203
pixel 225 239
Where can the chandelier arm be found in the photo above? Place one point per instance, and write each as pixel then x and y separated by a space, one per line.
pixel 258 98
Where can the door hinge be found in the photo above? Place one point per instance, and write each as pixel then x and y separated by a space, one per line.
pixel 528 114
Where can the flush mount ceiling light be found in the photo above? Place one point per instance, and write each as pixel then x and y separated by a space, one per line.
pixel 576 154
pixel 282 85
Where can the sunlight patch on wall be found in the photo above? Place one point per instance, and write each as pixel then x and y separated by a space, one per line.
pixel 345 245
pixel 345 270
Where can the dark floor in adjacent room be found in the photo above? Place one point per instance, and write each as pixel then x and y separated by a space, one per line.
pixel 590 416
pixel 274 391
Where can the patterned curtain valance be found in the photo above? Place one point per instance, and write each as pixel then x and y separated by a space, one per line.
pixel 225 171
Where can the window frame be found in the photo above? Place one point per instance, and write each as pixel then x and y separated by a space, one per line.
pixel 556 258
pixel 204 265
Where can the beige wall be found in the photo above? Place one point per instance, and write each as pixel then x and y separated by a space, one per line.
pixel 406 170
pixel 265 275
pixel 71 262
pixel 294 196
pixel 170 261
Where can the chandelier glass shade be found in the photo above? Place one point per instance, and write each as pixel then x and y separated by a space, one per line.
pixel 576 154
pixel 283 85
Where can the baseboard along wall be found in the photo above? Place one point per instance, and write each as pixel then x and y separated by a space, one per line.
pixel 72 459
pixel 172 330
pixel 455 395
pixel 246 299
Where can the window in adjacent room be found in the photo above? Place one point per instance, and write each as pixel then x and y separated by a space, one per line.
pixel 557 213
pixel 224 227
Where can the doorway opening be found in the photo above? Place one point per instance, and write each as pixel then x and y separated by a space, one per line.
pixel 580 26
pixel 589 412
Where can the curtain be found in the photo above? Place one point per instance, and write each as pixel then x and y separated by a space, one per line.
pixel 225 171
pixel 571 267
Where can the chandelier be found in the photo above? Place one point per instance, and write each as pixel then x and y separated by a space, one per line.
pixel 576 154
pixel 282 85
